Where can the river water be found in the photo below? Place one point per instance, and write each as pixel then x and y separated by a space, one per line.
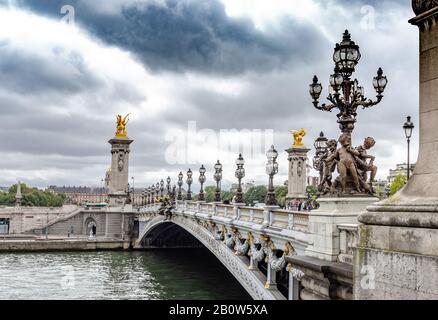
pixel 193 274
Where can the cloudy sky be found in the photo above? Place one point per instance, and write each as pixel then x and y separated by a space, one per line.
pixel 199 77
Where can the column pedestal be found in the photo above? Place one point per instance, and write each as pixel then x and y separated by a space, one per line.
pixel 323 224
pixel 119 174
pixel 297 177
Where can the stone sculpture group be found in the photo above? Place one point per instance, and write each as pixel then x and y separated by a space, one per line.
pixel 352 165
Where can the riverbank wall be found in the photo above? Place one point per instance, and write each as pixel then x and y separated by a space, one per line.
pixel 62 245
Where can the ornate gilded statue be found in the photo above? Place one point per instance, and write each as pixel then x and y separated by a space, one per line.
pixel 121 126
pixel 298 137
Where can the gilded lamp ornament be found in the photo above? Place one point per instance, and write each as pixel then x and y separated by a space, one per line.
pixel 121 126
pixel 298 137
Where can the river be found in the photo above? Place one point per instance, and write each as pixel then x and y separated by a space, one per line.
pixel 193 274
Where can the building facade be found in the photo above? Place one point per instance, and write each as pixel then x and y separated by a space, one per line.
pixel 401 169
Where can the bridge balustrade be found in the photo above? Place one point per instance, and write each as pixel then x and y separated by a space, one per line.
pixel 348 239
pixel 275 218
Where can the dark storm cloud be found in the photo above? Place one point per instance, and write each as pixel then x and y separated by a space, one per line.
pixel 42 128
pixel 25 72
pixel 189 35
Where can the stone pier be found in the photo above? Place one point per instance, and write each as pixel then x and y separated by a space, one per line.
pixel 397 254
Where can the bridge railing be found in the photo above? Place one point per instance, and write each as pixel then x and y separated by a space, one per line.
pixel 269 217
pixel 348 239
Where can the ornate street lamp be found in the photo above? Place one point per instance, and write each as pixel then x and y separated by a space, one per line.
pixel 168 185
pixel 180 183
pixel 202 181
pixel 157 189
pixel 240 174
pixel 346 94
pixel 148 195
pixel 189 183
pixel 271 170
pixel 174 192
pixel 162 187
pixel 320 149
pixel 218 178
pixel 153 194
pixel 408 127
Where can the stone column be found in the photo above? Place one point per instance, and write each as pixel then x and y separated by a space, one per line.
pixel 297 181
pixel 295 276
pixel 18 195
pixel 397 254
pixel 271 278
pixel 119 173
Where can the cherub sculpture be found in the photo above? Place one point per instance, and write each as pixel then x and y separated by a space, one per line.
pixel 298 137
pixel 363 166
pixel 329 165
pixel 121 126
pixel 346 157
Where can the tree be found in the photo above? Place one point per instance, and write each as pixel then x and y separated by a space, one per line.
pixel 398 183
pixel 32 197
pixel 255 195
pixel 280 195
pixel 210 192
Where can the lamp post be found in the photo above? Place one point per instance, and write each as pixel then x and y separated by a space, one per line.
pixel 173 192
pixel 408 127
pixel 101 190
pixel 153 194
pixel 168 185
pixel 189 183
pixel 240 174
pixel 133 190
pixel 162 187
pixel 346 94
pixel 218 178
pixel 271 170
pixel 157 189
pixel 180 183
pixel 202 181
pixel 320 149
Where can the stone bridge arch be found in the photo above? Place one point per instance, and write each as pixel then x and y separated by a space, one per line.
pixel 253 281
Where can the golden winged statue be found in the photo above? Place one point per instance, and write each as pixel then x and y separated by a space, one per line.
pixel 298 137
pixel 121 126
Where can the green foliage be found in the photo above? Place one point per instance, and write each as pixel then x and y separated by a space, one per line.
pixel 210 191
pixel 32 197
pixel 280 195
pixel 312 191
pixel 255 195
pixel 398 183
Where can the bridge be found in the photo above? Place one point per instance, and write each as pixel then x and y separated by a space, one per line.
pixel 263 248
